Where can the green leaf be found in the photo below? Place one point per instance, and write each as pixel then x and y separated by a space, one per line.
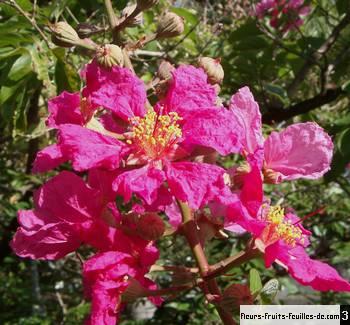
pixel 342 6
pixel 21 67
pixel 255 284
pixel 343 143
pixel 66 77
pixel 277 91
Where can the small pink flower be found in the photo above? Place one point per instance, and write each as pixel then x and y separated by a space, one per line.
pixel 302 150
pixel 284 15
pixel 281 237
pixel 107 275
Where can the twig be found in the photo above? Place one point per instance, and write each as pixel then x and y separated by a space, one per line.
pixel 303 107
pixel 32 20
pixel 225 265
pixel 190 232
pixel 317 55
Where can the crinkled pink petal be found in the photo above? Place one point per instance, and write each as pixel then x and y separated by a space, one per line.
pixel 144 182
pixel 214 128
pixel 105 302
pixel 64 109
pixel 302 150
pixel 104 262
pixel 238 214
pixel 67 197
pixel 151 285
pixel 89 149
pixel 189 91
pixel 102 180
pixel 116 89
pixel 48 158
pixel 235 228
pixel 320 276
pixel 163 199
pixel 247 119
pixel 278 250
pixel 196 183
pixel 104 283
pixel 252 193
pixel 99 235
pixel 112 123
pixel 173 213
pixel 50 241
pixel 149 255
pixel 34 220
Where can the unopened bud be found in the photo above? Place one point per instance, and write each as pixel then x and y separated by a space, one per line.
pixel 64 34
pixel 85 30
pixel 135 21
pixel 150 226
pixel 170 25
pixel 212 68
pixel 146 4
pixel 110 55
pixel 164 71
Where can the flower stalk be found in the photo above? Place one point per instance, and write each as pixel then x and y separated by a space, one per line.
pixel 190 231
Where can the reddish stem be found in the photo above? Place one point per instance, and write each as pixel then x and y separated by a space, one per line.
pixel 190 231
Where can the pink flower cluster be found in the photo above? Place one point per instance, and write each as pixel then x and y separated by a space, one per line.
pixel 284 15
pixel 154 157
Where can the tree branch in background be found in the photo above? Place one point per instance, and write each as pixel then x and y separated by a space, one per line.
pixel 303 107
pixel 317 55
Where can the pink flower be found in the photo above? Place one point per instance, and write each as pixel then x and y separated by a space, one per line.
pixel 69 108
pixel 66 213
pixel 284 15
pixel 281 237
pixel 107 276
pixel 184 122
pixel 302 150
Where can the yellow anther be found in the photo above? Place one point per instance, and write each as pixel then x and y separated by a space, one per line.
pixel 285 229
pixel 153 134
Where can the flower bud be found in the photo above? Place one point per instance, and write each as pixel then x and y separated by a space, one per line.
pixel 212 68
pixel 64 34
pixel 164 71
pixel 146 4
pixel 170 25
pixel 135 21
pixel 110 55
pixel 85 30
pixel 150 226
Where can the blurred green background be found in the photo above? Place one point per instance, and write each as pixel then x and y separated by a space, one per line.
pixel 302 75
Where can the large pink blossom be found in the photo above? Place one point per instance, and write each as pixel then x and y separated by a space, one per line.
pixel 302 150
pixel 184 122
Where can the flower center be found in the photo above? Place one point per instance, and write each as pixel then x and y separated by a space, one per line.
pixel 155 134
pixel 284 229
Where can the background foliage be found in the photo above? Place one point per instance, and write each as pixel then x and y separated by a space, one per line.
pixel 297 76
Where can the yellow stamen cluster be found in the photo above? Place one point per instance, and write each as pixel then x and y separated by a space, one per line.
pixel 284 228
pixel 155 133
